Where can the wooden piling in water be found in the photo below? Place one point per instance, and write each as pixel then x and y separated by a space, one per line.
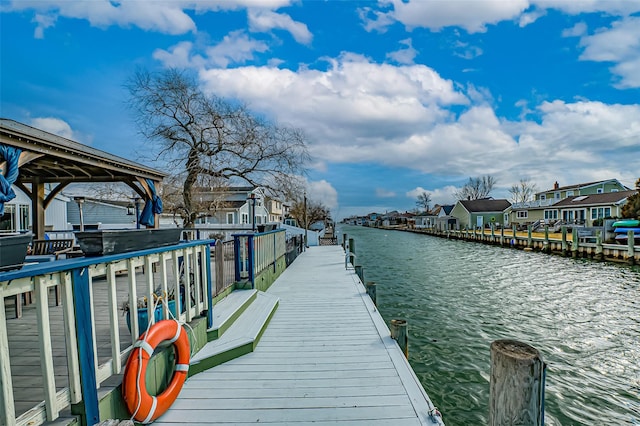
pixel 599 248
pixel 400 335
pixel 352 250
pixel 574 242
pixel 371 291
pixel 344 242
pixel 502 235
pixel 359 272
pixel 545 245
pixel 529 236
pixel 565 246
pixel 516 389
pixel 630 250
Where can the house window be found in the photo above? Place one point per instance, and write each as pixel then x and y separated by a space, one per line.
pixel 614 190
pixel 600 190
pixel 522 214
pixel 258 219
pixel 543 196
pixel 569 193
pixel 229 218
pixel 245 218
pixel 551 214
pixel 23 211
pixel 557 195
pixel 600 212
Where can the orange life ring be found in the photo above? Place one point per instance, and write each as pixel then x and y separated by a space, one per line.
pixel 147 408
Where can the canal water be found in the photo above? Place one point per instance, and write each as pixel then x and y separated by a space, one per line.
pixel 460 296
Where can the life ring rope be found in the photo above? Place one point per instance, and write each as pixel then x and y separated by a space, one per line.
pixel 144 407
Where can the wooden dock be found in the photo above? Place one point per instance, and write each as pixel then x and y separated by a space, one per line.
pixel 326 358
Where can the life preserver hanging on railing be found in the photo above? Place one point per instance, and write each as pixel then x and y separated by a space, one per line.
pixel 144 407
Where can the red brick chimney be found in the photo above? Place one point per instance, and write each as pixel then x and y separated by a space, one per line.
pixel 556 185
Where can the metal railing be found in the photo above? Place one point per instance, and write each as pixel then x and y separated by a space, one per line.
pixel 255 253
pixel 94 346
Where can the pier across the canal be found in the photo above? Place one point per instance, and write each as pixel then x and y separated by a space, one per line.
pixel 326 357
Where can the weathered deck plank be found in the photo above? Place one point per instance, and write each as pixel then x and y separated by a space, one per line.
pixel 325 358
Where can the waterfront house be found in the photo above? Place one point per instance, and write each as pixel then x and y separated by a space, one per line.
pixel 480 213
pixel 444 219
pixel 558 192
pixel 587 209
pixel 426 219
pixel 542 210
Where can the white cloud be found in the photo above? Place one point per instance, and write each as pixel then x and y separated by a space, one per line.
pixel 54 125
pixel 384 193
pixel 619 44
pixel 577 30
pixel 472 15
pixel 266 20
pixel 323 192
pixel 235 48
pixel 167 16
pixel 417 191
pixel 531 17
pixel 404 56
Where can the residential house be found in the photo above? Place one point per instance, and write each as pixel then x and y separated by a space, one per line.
pixel 444 219
pixel 585 209
pixel 17 215
pixel 234 207
pixel 480 213
pixel 600 187
pixel 102 214
pixel 542 209
pixel 276 210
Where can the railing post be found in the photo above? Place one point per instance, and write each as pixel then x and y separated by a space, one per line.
pixel 209 292
pixel 219 262
pixel 7 404
pixel 237 258
pixel 251 255
pixel 516 389
pixel 83 305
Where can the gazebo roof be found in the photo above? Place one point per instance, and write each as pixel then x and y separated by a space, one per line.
pixel 60 160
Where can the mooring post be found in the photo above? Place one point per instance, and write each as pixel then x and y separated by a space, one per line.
pixel 371 291
pixel 599 248
pixel 352 251
pixel 565 246
pixel 344 242
pixel 516 389
pixel 400 335
pixel 529 236
pixel 493 234
pixel 574 242
pixel 502 235
pixel 545 246
pixel 358 269
pixel 515 234
pixel 630 251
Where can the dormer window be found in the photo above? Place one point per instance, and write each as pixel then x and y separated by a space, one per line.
pixel 600 190
pixel 569 193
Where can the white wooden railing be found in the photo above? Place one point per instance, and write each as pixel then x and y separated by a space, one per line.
pixel 90 291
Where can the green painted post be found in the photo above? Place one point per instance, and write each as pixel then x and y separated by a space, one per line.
pixel 599 248
pixel 545 248
pixel 400 335
pixel 630 251
pixel 371 291
pixel 574 242
pixel 565 246
pixel 529 236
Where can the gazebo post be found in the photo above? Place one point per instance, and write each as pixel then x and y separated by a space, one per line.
pixel 37 213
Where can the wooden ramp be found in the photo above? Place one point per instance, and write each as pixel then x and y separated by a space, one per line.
pixel 325 358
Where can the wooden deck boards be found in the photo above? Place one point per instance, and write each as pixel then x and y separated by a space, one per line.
pixel 325 358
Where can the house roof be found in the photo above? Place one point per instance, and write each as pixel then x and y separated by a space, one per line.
pixel 485 205
pixel 608 198
pixel 447 208
pixel 579 185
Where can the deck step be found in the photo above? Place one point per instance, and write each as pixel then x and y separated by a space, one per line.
pixel 226 311
pixel 240 338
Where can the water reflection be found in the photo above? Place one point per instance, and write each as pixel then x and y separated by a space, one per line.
pixel 459 297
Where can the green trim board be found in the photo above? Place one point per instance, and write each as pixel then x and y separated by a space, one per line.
pixel 227 311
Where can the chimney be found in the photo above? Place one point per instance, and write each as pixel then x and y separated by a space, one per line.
pixel 556 185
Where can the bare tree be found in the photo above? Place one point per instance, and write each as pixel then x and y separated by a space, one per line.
pixel 523 191
pixel 316 211
pixel 201 136
pixel 476 188
pixel 424 201
pixel 631 209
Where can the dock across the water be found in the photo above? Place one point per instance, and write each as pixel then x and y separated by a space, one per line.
pixel 326 357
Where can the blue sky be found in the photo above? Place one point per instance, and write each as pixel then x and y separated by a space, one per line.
pixel 396 97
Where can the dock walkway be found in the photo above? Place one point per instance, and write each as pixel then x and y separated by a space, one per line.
pixel 325 358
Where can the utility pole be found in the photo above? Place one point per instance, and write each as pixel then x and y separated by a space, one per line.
pixel 306 225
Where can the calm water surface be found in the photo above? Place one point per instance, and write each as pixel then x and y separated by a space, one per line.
pixel 459 297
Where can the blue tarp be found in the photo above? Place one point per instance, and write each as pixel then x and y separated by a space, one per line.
pixel 7 177
pixel 151 207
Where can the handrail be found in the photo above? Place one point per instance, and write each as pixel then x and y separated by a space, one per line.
pixel 257 252
pixel 77 278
